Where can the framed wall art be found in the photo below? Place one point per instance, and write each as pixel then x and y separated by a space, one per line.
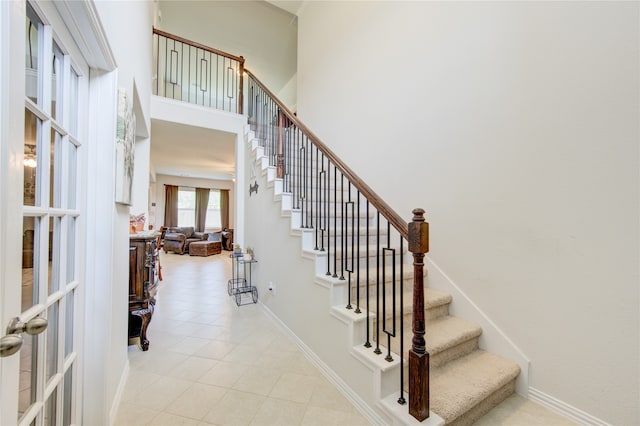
pixel 125 148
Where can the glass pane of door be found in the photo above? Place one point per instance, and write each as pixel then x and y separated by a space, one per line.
pixel 32 126
pixel 50 409
pixel 30 273
pixel 52 341
pixel 69 324
pixel 57 83
pixel 73 103
pixel 32 64
pixel 28 370
pixel 67 413
pixel 55 169
pixel 54 254
pixel 71 250
pixel 72 165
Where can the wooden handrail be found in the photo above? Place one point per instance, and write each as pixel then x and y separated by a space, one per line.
pixel 394 218
pixel 198 45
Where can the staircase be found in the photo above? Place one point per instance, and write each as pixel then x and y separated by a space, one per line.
pixel 465 381
pixel 356 266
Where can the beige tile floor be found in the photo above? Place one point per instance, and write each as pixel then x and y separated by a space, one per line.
pixel 211 362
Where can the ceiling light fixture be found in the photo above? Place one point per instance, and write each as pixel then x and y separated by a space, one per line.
pixel 30 157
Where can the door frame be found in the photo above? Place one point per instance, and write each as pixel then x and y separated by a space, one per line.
pixel 12 83
pixel 86 39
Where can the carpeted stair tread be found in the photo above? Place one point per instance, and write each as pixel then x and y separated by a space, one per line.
pixel 460 385
pixel 433 299
pixel 447 338
pixel 445 332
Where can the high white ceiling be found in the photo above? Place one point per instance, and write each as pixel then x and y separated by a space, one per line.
pixel 187 151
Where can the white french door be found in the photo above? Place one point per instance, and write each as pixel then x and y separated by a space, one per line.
pixel 41 282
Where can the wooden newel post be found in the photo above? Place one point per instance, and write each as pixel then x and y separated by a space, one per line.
pixel 418 355
pixel 241 87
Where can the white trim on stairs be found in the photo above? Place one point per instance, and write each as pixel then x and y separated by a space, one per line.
pixel 492 338
pixel 564 409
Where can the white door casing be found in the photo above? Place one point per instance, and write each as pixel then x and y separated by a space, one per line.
pixel 12 128
pixel 59 271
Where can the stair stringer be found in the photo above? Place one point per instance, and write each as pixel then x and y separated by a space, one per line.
pixel 334 344
pixel 492 339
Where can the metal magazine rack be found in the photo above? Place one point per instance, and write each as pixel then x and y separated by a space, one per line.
pixel 240 282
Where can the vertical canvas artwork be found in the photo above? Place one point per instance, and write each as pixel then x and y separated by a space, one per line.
pixel 125 148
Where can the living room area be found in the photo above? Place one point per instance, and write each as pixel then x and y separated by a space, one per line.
pixel 194 215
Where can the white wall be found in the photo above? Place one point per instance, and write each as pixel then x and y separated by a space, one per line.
pixel 289 93
pixel 515 125
pixel 263 34
pixel 132 52
pixel 162 180
pixel 141 179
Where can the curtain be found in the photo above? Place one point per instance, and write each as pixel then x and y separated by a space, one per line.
pixel 202 201
pixel 224 208
pixel 170 205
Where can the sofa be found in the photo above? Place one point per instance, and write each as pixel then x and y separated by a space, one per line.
pixel 177 239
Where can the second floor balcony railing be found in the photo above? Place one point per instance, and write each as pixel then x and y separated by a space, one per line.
pixel 198 74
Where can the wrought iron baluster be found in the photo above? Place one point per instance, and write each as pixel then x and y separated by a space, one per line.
pixel 335 222
pixel 367 343
pixel 217 79
pixel 401 399
pixel 310 222
pixel 307 183
pixel 156 37
pixel 305 202
pixel 189 82
pixel 377 350
pixel 327 218
pixel 390 333
pixel 318 212
pixel 294 167
pixel 182 71
pixel 348 251
pixel 343 241
pixel 357 254
pixel 224 74
pixel 164 77
pixel 209 82
pixel 322 222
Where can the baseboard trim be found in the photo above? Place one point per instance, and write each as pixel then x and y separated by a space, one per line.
pixel 118 397
pixel 371 415
pixel 564 409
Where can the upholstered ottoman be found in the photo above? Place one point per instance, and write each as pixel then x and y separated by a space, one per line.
pixel 204 248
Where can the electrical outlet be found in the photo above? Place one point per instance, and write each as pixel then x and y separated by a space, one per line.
pixel 272 288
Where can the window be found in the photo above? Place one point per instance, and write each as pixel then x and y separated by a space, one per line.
pixel 186 206
pixel 187 209
pixel 213 221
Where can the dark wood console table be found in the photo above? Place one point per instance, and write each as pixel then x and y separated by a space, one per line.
pixel 143 284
